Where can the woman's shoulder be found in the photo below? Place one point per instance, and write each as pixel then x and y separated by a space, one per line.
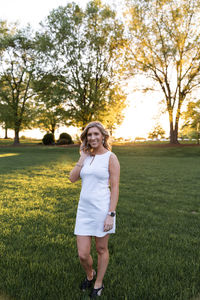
pixel 113 157
pixel 114 165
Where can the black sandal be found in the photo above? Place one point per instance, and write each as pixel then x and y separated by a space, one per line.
pixel 87 284
pixel 97 292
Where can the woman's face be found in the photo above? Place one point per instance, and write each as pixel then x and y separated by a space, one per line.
pixel 94 137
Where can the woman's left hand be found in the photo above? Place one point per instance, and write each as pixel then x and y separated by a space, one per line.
pixel 108 224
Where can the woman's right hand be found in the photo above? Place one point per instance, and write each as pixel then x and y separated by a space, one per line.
pixel 75 173
pixel 83 155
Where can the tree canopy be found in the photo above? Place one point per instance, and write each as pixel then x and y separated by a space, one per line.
pixel 83 48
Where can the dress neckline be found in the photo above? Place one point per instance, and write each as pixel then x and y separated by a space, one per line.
pixel 100 154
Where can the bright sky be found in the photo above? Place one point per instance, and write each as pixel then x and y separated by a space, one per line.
pixel 142 111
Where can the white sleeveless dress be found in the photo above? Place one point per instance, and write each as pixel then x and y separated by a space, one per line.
pixel 94 199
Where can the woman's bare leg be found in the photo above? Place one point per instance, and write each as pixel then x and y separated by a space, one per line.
pixel 84 246
pixel 103 259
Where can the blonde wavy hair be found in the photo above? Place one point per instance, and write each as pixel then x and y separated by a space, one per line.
pixel 85 146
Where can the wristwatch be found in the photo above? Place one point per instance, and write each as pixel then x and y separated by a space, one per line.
pixel 112 213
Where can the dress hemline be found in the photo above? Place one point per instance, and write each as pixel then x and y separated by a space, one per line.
pixel 94 234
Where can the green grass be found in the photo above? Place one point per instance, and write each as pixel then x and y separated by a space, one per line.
pixel 154 254
pixel 31 141
pixel 27 141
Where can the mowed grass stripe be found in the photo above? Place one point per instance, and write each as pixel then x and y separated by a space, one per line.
pixel 155 251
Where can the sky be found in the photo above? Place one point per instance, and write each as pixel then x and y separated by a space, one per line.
pixel 142 110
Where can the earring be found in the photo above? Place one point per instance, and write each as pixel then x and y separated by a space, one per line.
pixel 103 141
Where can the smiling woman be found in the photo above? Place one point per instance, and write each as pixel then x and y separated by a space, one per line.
pixel 96 216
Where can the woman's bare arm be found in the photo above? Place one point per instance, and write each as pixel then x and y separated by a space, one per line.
pixel 75 172
pixel 114 170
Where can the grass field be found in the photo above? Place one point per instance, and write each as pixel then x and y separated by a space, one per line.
pixel 154 254
pixel 27 141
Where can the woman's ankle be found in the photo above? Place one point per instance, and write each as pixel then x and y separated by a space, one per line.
pixel 98 284
pixel 90 275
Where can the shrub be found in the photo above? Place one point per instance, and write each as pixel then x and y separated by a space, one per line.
pixel 48 139
pixel 22 137
pixel 62 142
pixel 65 136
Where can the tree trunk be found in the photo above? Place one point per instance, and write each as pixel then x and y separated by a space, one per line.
pixel 176 133
pixel 6 133
pixel 173 132
pixel 53 130
pixel 16 138
pixel 173 136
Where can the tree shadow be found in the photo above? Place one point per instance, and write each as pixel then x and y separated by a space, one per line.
pixel 14 159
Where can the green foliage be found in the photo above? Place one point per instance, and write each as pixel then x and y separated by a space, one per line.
pixel 6 116
pixel 157 132
pixel 51 96
pixel 63 142
pixel 114 113
pixel 191 119
pixel 17 71
pixel 83 49
pixel 48 139
pixel 67 137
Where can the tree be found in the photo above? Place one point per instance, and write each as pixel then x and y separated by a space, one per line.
pixel 165 46
pixel 157 132
pixel 192 120
pixel 83 49
pixel 6 118
pixel 51 112
pixel 17 69
pixel 49 118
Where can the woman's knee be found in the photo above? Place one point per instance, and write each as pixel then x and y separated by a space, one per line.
pixel 101 250
pixel 83 255
pixel 83 245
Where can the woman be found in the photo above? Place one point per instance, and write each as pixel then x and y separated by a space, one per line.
pixel 96 216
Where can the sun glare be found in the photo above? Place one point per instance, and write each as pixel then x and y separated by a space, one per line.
pixel 141 116
pixel 8 154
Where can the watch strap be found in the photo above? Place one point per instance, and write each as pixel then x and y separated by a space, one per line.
pixel 112 213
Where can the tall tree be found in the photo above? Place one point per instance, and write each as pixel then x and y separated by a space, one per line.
pixel 17 67
pixel 165 46
pixel 83 48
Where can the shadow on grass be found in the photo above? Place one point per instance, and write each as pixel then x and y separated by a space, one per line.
pixel 13 159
